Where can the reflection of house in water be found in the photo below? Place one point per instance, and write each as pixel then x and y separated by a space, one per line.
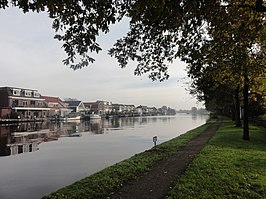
pixel 71 129
pixel 101 126
pixel 13 143
pixel 94 126
pixel 24 138
pixel 18 148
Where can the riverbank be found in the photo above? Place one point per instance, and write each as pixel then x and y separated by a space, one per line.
pixel 101 184
pixel 227 167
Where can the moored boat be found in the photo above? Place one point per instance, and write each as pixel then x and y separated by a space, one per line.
pixel 94 116
pixel 73 116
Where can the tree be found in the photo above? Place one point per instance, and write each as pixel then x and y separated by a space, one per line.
pixel 229 52
pixel 156 26
pixel 161 31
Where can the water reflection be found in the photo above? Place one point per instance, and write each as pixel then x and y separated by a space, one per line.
pixel 38 158
pixel 25 137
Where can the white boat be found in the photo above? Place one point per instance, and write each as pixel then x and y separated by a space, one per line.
pixel 94 116
pixel 73 116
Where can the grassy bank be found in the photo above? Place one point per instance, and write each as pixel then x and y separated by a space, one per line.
pixel 228 167
pixel 101 184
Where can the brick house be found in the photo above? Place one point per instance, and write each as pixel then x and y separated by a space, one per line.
pixel 22 103
pixel 104 107
pixel 118 108
pixel 99 107
pixel 57 106
pixel 91 107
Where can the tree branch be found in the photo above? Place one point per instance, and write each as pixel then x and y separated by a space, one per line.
pixel 258 7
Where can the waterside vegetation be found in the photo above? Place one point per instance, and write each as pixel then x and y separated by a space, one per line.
pixel 101 184
pixel 227 167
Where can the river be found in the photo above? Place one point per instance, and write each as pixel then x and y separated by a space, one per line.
pixel 38 158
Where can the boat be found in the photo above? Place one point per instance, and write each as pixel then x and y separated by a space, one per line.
pixel 73 116
pixel 94 116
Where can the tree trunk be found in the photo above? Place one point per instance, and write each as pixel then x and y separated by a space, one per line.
pixel 233 112
pixel 237 108
pixel 245 93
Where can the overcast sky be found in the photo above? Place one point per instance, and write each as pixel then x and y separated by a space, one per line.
pixel 31 58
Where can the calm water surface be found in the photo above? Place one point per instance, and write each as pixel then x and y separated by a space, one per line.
pixel 36 159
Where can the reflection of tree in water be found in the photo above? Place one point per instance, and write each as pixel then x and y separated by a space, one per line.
pixel 29 135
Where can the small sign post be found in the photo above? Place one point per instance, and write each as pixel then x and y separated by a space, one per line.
pixel 154 140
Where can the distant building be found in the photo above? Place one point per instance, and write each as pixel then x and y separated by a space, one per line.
pixel 91 107
pixel 142 110
pixel 104 107
pixel 22 103
pixel 99 107
pixel 152 111
pixel 118 108
pixel 76 106
pixel 130 108
pixel 57 106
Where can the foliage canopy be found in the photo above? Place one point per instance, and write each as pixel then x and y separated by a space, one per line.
pixel 160 30
pixel 222 41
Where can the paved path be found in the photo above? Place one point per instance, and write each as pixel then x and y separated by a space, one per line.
pixel 158 182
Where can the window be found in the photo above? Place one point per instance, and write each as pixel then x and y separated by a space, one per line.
pixel 28 93
pixel 16 92
pixel 15 103
pixel 32 103
pixel 36 94
pixel 25 103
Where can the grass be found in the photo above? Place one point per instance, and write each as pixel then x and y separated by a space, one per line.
pixel 227 167
pixel 101 184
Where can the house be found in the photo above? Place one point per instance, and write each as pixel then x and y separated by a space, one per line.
pixel 91 107
pixel 152 111
pixel 104 107
pixel 76 106
pixel 130 108
pixel 22 103
pixel 124 108
pixel 142 110
pixel 118 108
pixel 57 106
pixel 99 107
